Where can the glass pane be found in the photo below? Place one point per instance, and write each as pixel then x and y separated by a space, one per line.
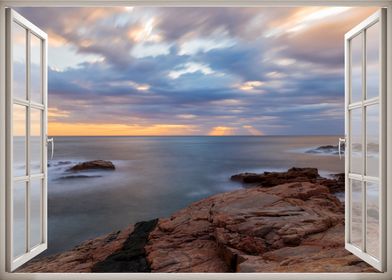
pixel 35 214
pixel 36 141
pixel 19 140
pixel 19 219
pixel 356 141
pixel 373 219
pixel 373 61
pixel 372 140
pixel 356 68
pixel 356 213
pixel 35 70
pixel 19 61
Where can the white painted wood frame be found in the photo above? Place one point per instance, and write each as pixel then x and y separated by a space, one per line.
pixel 28 104
pixel 362 105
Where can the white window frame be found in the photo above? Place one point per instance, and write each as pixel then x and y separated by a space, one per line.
pixel 363 104
pixel 192 3
pixel 32 30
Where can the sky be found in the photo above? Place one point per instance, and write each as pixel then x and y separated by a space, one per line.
pixel 196 71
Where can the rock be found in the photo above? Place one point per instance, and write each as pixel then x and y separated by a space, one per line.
pixel 322 252
pixel 290 227
pixel 327 149
pixel 83 257
pixel 122 251
pixel 63 162
pixel 295 174
pixel 269 179
pixel 94 164
pixel 132 256
pixel 335 184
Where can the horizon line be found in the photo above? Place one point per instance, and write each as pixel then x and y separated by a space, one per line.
pixel 270 135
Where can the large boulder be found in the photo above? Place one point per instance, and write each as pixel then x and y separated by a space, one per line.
pixel 94 164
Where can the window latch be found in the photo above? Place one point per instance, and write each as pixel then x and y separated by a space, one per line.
pixel 341 141
pixel 51 141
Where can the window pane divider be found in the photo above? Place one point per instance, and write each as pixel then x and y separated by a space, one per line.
pixel 363 140
pixel 21 178
pixel 356 105
pixel 28 150
pixel 357 177
pixel 21 102
pixel 37 106
pixel 369 102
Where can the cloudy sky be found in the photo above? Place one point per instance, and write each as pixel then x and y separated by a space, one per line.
pixel 196 71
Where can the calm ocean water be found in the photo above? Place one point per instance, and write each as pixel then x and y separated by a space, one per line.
pixel 156 176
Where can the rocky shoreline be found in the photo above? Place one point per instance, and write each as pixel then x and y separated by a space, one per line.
pixel 279 222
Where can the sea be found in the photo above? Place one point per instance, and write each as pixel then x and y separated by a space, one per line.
pixel 156 176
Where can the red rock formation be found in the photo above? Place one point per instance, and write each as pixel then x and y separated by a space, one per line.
pixel 289 228
pixel 83 257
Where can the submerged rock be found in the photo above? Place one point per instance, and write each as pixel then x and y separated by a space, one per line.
pixel 94 164
pixel 327 149
pixel 270 179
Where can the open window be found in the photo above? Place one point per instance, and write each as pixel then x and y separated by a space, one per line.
pixel 365 115
pixel 26 140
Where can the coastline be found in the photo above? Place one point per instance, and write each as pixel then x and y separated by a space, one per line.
pixel 292 223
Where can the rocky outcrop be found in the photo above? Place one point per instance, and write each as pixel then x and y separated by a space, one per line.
pixel 132 256
pixel 295 174
pixel 83 257
pixel 335 184
pixel 94 164
pixel 289 227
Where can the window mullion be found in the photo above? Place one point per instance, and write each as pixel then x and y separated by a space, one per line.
pixel 28 202
pixel 363 141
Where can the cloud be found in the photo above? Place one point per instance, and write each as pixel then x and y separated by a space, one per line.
pixel 250 85
pixel 305 18
pixel 217 40
pixel 150 50
pixel 189 68
pixel 57 114
pixel 130 84
pixel 186 116
pixel 196 70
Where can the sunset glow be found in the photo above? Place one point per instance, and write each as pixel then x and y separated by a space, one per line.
pixel 113 129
